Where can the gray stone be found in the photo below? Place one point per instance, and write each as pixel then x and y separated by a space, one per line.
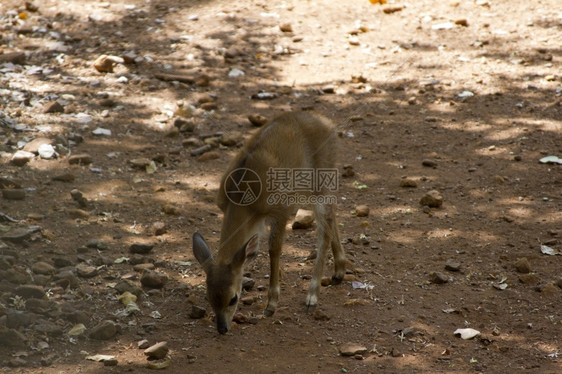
pixel 80 159
pixel 438 278
pixel 44 268
pixel 21 158
pixel 30 291
pixel 197 312
pixel 104 330
pixel 12 338
pixel 20 234
pixel 86 271
pixel 141 248
pixel 352 349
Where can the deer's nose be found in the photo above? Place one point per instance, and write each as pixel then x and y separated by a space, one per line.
pixel 222 329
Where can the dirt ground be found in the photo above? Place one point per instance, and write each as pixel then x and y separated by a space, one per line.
pixel 460 97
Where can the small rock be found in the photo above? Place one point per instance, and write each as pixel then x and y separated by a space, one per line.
pixel 46 151
pixel 110 362
pixel 432 199
pixel 231 138
pixel 20 234
pixel 201 150
pixel 86 271
pixel 103 331
pixel 286 27
pixel 66 177
pixel 303 219
pixel 17 58
pixel 159 228
pixel 33 146
pixel 13 194
pixel 143 344
pixel 438 278
pixel 257 120
pixel 207 156
pixel 154 279
pixel 78 213
pixel 408 183
pixel 392 9
pixel 79 198
pixel 362 210
pixel 452 265
pixel 348 171
pixel 21 158
pixel 30 291
pixel 352 349
pixel 105 63
pixel 12 338
pixel 139 163
pixel 240 318
pixel 529 278
pixel 142 267
pixel 248 283
pixel 248 300
pixel 429 163
pixel 80 159
pixel 549 289
pixel 43 268
pixel 54 107
pixel 171 209
pixel 197 312
pixel 157 351
pixel 141 248
pixel 522 265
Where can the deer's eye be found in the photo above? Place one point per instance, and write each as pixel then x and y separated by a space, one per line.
pixel 233 300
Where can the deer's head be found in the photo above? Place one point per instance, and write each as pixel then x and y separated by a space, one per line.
pixel 224 280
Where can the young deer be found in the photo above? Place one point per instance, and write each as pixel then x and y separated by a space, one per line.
pixel 293 142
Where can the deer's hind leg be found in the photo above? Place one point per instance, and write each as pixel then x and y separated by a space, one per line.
pixel 324 232
pixel 337 249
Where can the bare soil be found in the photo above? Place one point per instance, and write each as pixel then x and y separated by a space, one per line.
pixel 461 97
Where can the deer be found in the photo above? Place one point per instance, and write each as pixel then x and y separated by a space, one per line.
pixel 293 141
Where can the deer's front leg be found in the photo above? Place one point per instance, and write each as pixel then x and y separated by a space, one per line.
pixel 277 232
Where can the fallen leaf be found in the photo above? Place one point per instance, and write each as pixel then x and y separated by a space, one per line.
pixel 549 251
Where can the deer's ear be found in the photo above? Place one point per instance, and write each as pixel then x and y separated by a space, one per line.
pixel 201 251
pixel 247 252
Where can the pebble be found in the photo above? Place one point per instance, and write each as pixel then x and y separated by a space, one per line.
pixel 523 266
pixel 429 163
pixel 30 291
pixel 257 120
pixel 153 279
pixel 159 228
pixel 352 349
pixel 78 213
pixel 105 63
pixel 201 150
pixel 157 351
pixel 54 107
pixel 13 194
pixel 12 338
pixel 231 138
pixel 104 330
pixel 303 219
pixel 86 271
pixel 78 197
pixel 319 315
pixel 80 159
pixel 143 344
pixel 20 234
pixel 33 146
pixel 46 151
pixel 286 27
pixel 139 163
pixel 248 283
pixel 550 289
pixel 141 248
pixel 529 278
pixel 432 199
pixel 207 156
pixel 17 58
pixel 191 142
pixel 142 267
pixel 452 265
pixel 171 209
pixel 408 183
pixel 184 125
pixel 362 210
pixel 197 312
pixel 348 171
pixel 43 268
pixel 438 277
pixel 20 158
pixel 66 177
